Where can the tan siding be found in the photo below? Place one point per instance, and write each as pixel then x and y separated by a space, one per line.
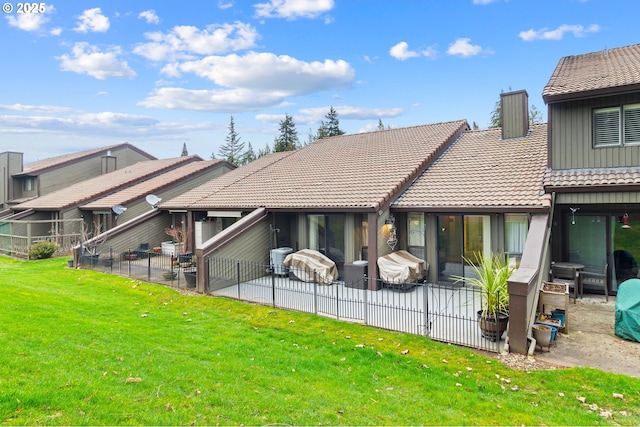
pixel 598 198
pixel 252 245
pixel 151 232
pixel 571 141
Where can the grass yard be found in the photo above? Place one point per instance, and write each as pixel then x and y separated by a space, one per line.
pixel 85 348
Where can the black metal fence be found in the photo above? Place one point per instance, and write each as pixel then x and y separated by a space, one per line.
pixel 446 313
pixel 177 271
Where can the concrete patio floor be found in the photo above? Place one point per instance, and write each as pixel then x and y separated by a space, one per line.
pixel 591 340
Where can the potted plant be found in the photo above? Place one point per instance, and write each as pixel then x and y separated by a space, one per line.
pixel 490 276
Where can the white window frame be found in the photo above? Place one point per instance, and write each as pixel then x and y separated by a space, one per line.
pixel 631 119
pixel 626 124
pixel 604 116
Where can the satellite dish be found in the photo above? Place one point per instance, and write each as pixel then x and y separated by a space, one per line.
pixel 118 210
pixel 153 200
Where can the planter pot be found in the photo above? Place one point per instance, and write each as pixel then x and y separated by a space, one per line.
pixel 493 326
pixel 70 263
pixel 169 275
pixel 542 335
pixel 190 278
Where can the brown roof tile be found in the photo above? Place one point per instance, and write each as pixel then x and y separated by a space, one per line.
pixel 41 165
pixel 153 184
pixel 590 178
pixel 95 187
pixel 605 71
pixel 482 171
pixel 359 171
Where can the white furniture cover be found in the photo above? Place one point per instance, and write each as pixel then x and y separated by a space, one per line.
pixel 305 262
pixel 401 267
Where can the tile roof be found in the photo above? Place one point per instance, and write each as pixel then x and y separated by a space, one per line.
pixel 40 165
pixel 151 185
pixel 590 178
pixel 101 185
pixel 605 71
pixel 360 171
pixel 481 170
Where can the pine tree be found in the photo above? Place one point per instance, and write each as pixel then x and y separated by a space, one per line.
pixel 266 150
pixel 380 125
pixel 248 156
pixel 184 150
pixel 332 127
pixel 232 150
pixel 288 139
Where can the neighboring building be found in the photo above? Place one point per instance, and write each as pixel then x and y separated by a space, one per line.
pixel 594 160
pixel 20 183
pixel 99 201
pixel 332 196
pixel 477 198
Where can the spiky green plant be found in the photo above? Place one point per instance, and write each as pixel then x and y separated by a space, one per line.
pixel 491 275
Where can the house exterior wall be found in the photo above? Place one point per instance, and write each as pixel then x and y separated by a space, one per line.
pixel 10 163
pixel 150 231
pixel 63 176
pixel 571 135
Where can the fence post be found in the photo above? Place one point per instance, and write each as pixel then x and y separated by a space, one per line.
pixel 111 258
pixel 315 293
pixel 238 276
pixel 366 301
pixel 273 284
pixel 148 267
pixel 425 308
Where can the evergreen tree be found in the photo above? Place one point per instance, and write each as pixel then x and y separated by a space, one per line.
pixel 475 126
pixel 233 149
pixel 184 150
pixel 288 139
pixel 380 125
pixel 266 150
pixel 332 127
pixel 248 156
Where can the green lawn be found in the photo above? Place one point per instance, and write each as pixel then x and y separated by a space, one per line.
pixel 85 348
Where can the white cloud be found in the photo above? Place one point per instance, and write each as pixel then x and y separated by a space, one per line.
pixel 92 20
pixel 269 72
pixel 103 124
pixel 223 5
pixel 30 21
pixel 34 108
pixel 558 33
pixel 463 47
pixel 209 100
pixel 483 2
pixel 87 59
pixel 292 9
pixel 149 16
pixel 401 52
pixel 184 40
pixel 56 31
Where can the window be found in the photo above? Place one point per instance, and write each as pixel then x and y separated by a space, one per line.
pixel 616 126
pixel 515 233
pixel 416 232
pixel 29 184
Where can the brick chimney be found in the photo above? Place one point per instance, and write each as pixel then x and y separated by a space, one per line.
pixel 514 114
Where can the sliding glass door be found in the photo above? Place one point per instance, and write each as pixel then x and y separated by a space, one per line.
pixel 461 237
pixel 326 235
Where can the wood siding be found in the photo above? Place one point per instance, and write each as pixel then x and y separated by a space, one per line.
pixel 252 245
pixel 598 198
pixel 514 116
pixel 151 232
pixel 571 140
pixel 82 170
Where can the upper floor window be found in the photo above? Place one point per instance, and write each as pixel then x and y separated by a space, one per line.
pixel 29 184
pixel 616 126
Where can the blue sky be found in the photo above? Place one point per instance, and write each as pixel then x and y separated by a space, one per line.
pixel 84 74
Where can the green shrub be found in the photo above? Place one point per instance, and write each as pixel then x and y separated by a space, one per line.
pixel 43 250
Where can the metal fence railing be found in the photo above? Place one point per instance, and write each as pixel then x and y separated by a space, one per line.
pixel 446 313
pixel 174 270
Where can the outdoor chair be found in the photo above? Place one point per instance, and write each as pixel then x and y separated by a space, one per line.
pixel 568 276
pixel 596 278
